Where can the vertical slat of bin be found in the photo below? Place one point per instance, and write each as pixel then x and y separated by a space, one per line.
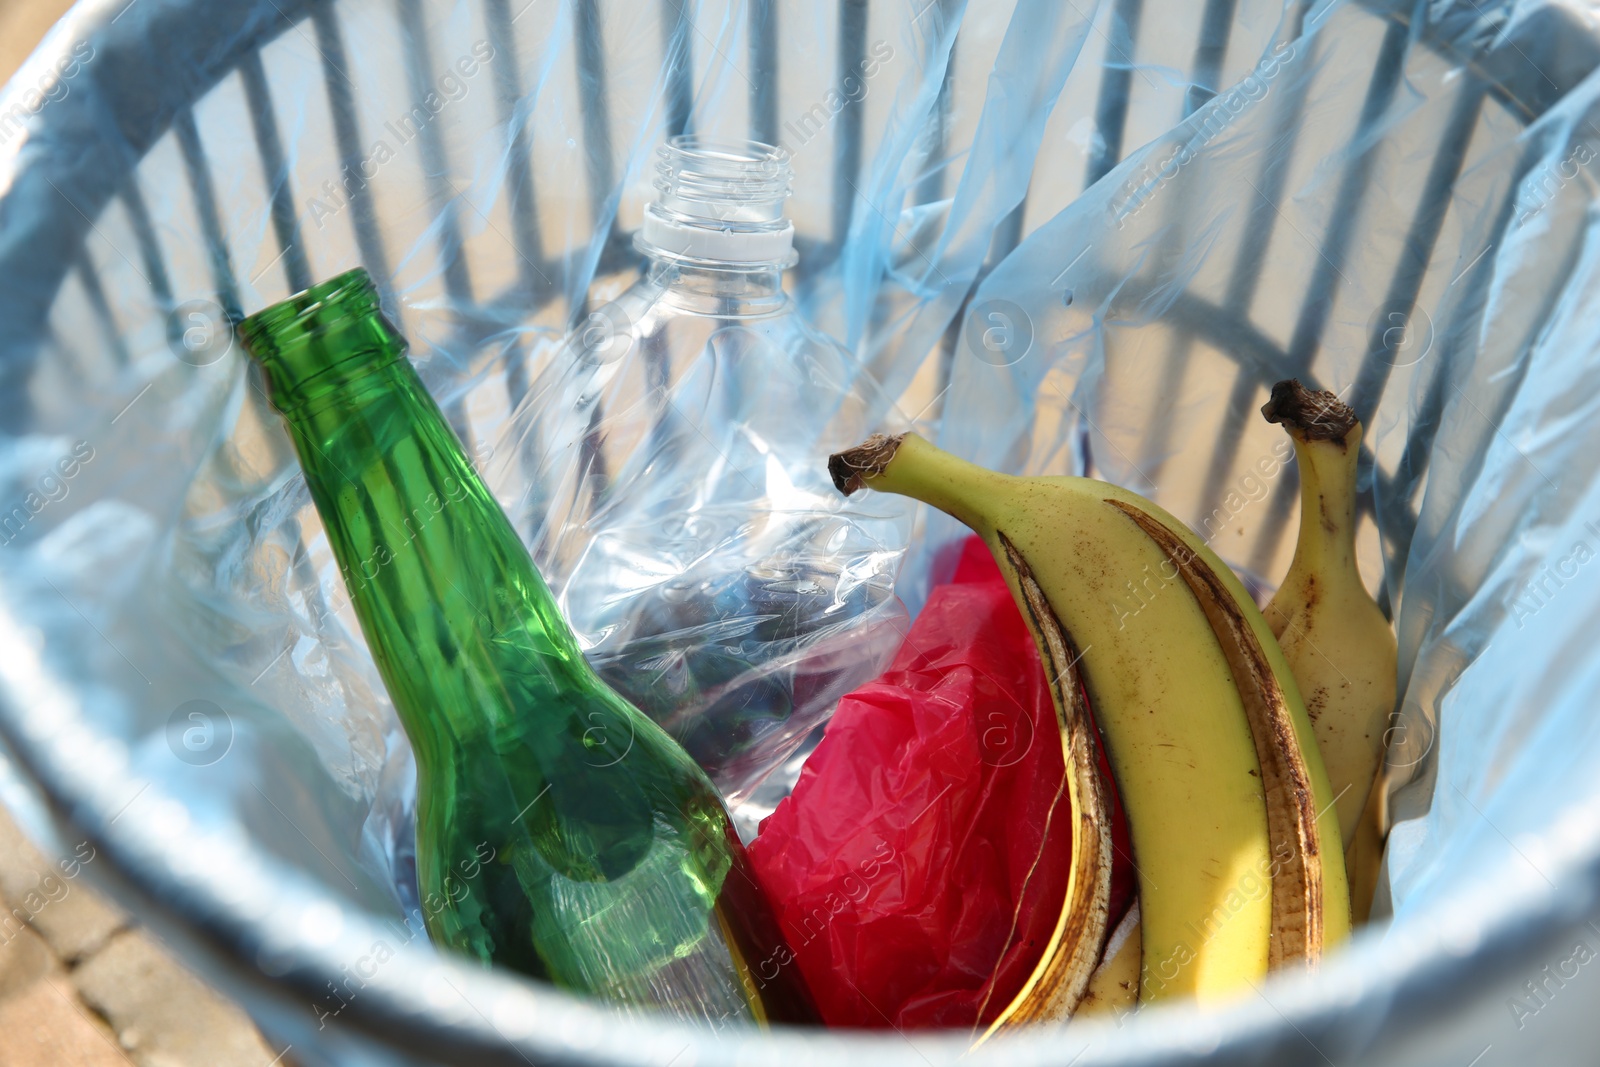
pixel 525 234
pixel 198 172
pixel 292 255
pixel 678 59
pixel 1006 237
pixel 153 262
pixel 1406 282
pixel 264 123
pixel 930 189
pixel 1424 426
pixel 1116 83
pixel 1327 269
pixel 1417 252
pixel 595 104
pixel 938 17
pixel 1216 23
pixel 89 278
pixel 442 195
pixel 594 100
pixel 533 282
pixel 852 49
pixel 1260 223
pixel 1394 498
pixel 296 268
pixel 764 71
pixel 347 130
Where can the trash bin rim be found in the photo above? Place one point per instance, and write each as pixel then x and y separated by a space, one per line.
pixel 1512 926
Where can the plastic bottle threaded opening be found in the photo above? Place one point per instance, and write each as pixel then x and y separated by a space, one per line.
pixel 720 204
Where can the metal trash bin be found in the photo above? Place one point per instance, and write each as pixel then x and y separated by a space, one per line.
pixel 166 164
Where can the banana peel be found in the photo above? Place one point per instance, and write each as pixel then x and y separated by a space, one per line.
pixel 1114 986
pixel 1237 850
pixel 1338 644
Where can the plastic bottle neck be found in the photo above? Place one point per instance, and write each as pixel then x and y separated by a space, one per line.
pixel 717 292
pixel 716 236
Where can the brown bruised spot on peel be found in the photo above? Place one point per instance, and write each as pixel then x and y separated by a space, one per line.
pixel 1316 414
pixel 851 468
pixel 1058 983
pixel 1297 906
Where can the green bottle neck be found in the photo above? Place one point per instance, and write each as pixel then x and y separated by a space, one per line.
pixel 438 578
pixel 316 347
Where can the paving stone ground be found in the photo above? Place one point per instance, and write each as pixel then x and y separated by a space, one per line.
pixel 22 24
pixel 82 986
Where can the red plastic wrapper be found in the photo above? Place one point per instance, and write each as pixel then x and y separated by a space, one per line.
pixel 920 865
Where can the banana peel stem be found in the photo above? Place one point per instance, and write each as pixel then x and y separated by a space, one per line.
pixel 1327 445
pixel 1314 414
pixel 851 468
pixel 1327 542
pixel 904 464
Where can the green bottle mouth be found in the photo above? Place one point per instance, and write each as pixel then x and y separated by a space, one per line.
pixel 318 341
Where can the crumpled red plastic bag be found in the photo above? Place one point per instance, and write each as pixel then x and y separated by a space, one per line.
pixel 920 865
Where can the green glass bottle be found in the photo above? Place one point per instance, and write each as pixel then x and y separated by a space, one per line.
pixel 559 831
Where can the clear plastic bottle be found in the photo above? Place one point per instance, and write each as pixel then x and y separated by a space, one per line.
pixel 676 450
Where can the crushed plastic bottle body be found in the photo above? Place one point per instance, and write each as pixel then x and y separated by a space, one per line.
pixel 675 451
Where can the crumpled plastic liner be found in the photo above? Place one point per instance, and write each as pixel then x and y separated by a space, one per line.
pixel 493 223
pixel 920 865
pixel 1394 202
